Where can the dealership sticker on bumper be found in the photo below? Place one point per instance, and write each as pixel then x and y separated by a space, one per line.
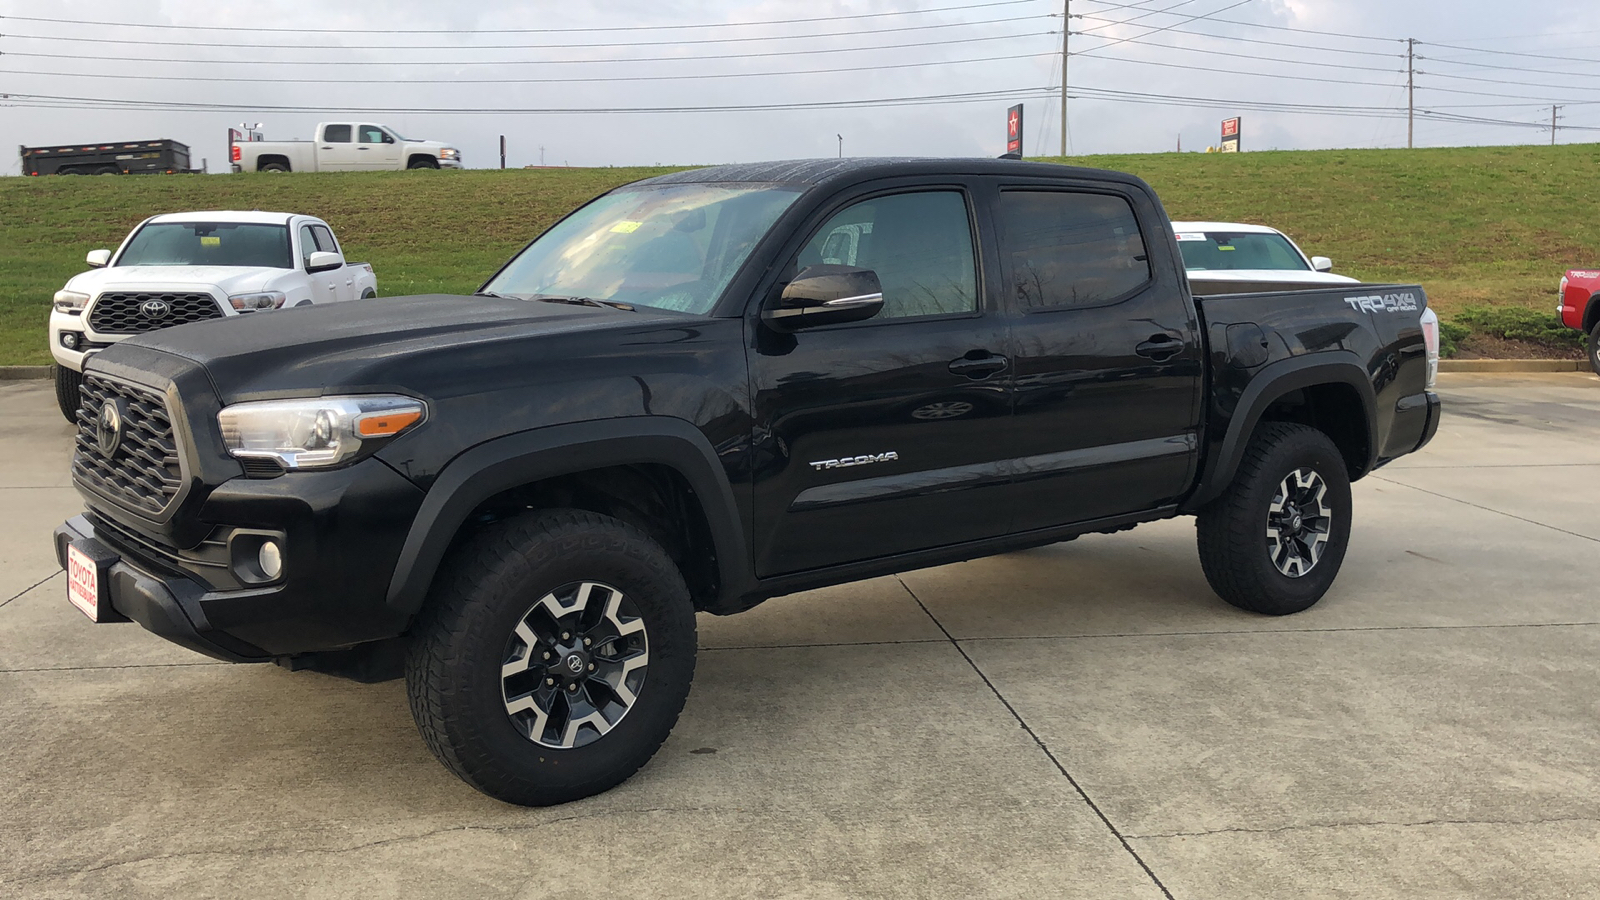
pixel 83 583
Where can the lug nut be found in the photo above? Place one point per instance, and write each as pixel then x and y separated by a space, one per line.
pixel 547 654
pixel 573 686
pixel 565 635
pixel 549 681
pixel 588 641
pixel 591 667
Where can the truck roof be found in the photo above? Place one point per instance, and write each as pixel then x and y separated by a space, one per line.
pixel 252 217
pixel 1234 227
pixel 818 172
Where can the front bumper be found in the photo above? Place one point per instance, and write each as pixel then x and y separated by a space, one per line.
pixel 60 323
pixel 341 533
pixel 450 163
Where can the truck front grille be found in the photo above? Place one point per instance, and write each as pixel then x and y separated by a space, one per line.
pixel 138 468
pixel 126 312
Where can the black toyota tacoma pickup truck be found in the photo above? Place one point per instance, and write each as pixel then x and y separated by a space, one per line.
pixel 703 390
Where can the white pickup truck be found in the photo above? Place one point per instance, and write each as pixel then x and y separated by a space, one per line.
pixel 343 147
pixel 188 267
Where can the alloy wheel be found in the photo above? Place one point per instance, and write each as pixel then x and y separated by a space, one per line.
pixel 1299 522
pixel 574 665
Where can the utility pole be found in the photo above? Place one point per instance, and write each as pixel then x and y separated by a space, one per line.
pixel 1553 109
pixel 1066 29
pixel 541 156
pixel 502 151
pixel 1411 91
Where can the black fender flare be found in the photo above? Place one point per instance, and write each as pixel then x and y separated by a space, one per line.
pixel 507 462
pixel 1268 385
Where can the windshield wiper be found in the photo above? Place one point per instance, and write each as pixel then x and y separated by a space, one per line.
pixel 582 301
pixel 494 295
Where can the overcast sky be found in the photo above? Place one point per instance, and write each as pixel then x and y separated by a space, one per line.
pixel 1508 63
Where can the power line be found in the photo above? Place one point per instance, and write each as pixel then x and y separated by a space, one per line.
pixel 525 62
pixel 1361 37
pixel 238 28
pixel 1518 53
pixel 1149 62
pixel 1533 84
pixel 1478 65
pixel 566 80
pixel 1153 12
pixel 1163 28
pixel 1244 40
pixel 1278 59
pixel 560 46
pixel 155 105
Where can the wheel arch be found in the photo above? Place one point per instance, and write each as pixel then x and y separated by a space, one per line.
pixel 580 462
pixel 1591 313
pixel 269 158
pixel 1328 391
pixel 414 158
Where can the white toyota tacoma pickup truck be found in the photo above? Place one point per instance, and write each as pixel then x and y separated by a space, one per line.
pixel 343 147
pixel 187 267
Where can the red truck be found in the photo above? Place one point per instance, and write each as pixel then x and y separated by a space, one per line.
pixel 1579 308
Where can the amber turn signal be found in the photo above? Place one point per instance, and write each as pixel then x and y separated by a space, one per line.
pixel 386 424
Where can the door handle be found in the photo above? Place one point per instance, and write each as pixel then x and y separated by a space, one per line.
pixel 979 367
pixel 1160 347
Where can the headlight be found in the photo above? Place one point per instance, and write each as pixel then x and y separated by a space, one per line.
pixel 449 153
pixel 71 301
pixel 258 300
pixel 316 433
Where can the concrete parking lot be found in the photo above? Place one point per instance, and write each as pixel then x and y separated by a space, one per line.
pixel 1083 720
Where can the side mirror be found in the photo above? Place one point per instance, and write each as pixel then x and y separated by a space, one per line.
pixel 388 138
pixel 98 259
pixel 1322 264
pixel 826 295
pixel 323 260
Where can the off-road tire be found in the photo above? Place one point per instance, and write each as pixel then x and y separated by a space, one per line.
pixel 1594 348
pixel 1234 551
pixel 69 387
pixel 484 590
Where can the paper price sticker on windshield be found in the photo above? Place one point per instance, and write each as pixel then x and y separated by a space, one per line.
pixel 211 242
pixel 1190 236
pixel 626 227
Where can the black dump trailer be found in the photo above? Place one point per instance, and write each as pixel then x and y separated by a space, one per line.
pixel 166 157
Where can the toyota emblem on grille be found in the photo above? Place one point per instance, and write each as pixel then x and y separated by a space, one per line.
pixel 108 427
pixel 155 308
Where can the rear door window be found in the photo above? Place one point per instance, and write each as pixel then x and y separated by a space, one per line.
pixel 1071 249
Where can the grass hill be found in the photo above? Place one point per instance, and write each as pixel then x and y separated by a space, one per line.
pixel 1481 226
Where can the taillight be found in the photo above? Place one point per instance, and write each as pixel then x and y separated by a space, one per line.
pixel 1430 342
pixel 1561 297
pixel 237 155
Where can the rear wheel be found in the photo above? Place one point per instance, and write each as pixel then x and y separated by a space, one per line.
pixel 1594 348
pixel 69 385
pixel 1273 542
pixel 108 170
pixel 554 656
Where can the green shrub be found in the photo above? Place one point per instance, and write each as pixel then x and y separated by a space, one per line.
pixel 1450 337
pixel 1515 323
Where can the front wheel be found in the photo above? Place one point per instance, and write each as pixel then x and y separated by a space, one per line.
pixel 1273 542
pixel 423 162
pixel 1594 349
pixel 554 655
pixel 69 387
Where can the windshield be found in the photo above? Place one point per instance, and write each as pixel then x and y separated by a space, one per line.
pixel 670 247
pixel 1221 250
pixel 209 244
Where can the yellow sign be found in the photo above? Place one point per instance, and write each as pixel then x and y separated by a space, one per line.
pixel 211 242
pixel 626 227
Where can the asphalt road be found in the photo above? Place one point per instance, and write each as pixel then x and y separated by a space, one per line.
pixel 1084 720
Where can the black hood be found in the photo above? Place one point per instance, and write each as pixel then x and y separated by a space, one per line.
pixel 383 342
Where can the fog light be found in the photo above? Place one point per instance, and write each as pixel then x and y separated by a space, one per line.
pixel 69 340
pixel 271 559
